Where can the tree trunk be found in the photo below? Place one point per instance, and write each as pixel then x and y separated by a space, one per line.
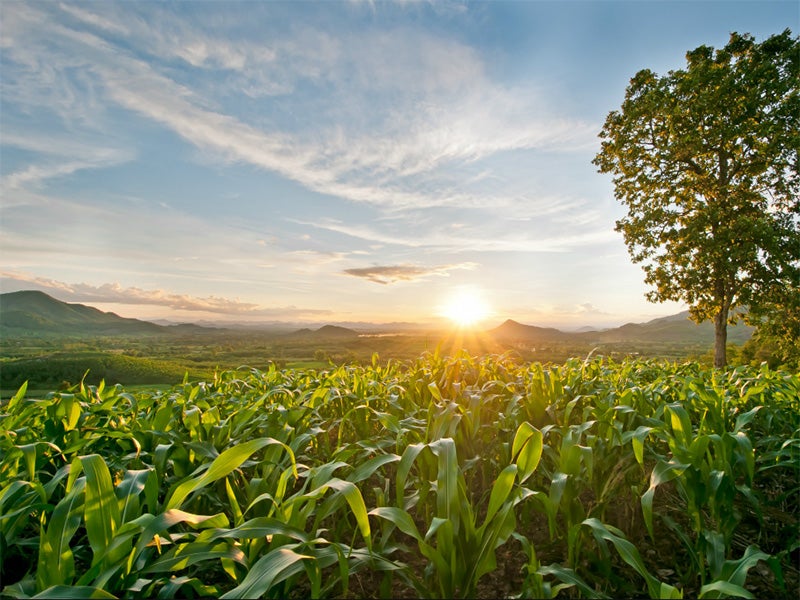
pixel 720 338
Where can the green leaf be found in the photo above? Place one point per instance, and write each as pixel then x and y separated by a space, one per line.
pixel 569 577
pixel 366 469
pixel 69 592
pixel 101 511
pixel 269 570
pixel 224 464
pixel 399 517
pixel 735 571
pixel 447 506
pixel 404 467
pixel 56 565
pixel 500 490
pixel 165 520
pixel 353 496
pixel 724 588
pixel 662 473
pixel 630 555
pixel 17 398
pixel 526 450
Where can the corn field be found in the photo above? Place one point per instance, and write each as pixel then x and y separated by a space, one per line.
pixel 446 477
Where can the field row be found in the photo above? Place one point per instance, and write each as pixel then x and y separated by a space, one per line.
pixel 443 477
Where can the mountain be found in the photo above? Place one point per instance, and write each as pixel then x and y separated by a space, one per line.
pixel 512 331
pixel 676 329
pixel 36 312
pixel 326 332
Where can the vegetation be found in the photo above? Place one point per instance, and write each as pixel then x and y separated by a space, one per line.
pixel 440 477
pixel 706 161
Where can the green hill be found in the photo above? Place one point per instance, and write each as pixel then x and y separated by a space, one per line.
pixel 33 312
pixel 674 329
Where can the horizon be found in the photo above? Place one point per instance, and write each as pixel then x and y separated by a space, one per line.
pixel 332 162
pixel 441 323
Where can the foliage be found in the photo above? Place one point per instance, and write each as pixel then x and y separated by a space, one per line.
pixel 706 161
pixel 406 478
pixel 779 331
pixel 92 367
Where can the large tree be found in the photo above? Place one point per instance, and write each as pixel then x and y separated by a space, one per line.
pixel 706 160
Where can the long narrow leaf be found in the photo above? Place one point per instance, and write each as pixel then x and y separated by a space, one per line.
pixel 224 464
pixel 267 571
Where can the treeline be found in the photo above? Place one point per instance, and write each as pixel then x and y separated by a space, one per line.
pixel 68 369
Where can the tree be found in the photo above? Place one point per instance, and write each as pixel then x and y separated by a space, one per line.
pixel 778 331
pixel 706 160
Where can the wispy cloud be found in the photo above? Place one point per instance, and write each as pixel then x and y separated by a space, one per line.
pixel 430 103
pixel 457 240
pixel 393 273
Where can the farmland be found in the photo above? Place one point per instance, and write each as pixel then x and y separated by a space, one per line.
pixel 438 477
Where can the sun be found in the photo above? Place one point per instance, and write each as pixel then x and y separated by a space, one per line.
pixel 465 308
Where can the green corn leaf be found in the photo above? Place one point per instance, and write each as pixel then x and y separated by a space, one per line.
pixel 101 511
pixel 744 419
pixel 447 506
pixel 68 592
pixel 557 485
pixel 681 424
pixel 637 442
pixel 569 577
pixel 500 490
pixel 29 452
pixel 662 473
pixel 268 571
pixel 722 589
pixel 175 585
pixel 56 564
pixel 366 469
pixel 526 450
pixel 186 555
pixel 224 464
pixel 255 528
pixel 128 490
pixel 233 503
pixel 172 517
pixel 630 555
pixel 356 501
pixel 735 571
pixel 398 517
pixel 404 467
pixel 16 398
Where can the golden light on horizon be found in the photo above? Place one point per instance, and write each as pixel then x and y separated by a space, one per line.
pixel 466 307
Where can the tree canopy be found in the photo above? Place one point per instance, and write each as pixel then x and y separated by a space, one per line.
pixel 706 160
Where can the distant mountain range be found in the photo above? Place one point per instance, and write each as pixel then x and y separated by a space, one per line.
pixel 36 313
pixel 677 329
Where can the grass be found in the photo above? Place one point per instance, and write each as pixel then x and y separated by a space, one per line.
pixel 446 476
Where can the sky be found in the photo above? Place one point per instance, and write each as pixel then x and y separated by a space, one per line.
pixel 331 162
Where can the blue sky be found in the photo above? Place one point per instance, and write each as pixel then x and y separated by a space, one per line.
pixel 330 161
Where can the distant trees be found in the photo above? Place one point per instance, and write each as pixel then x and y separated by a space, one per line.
pixel 706 160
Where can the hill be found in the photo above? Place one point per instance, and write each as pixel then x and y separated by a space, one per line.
pixel 677 329
pixel 326 332
pixel 33 312
pixel 512 331
pixel 674 329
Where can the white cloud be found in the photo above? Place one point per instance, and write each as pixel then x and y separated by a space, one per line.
pixel 430 103
pixel 458 240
